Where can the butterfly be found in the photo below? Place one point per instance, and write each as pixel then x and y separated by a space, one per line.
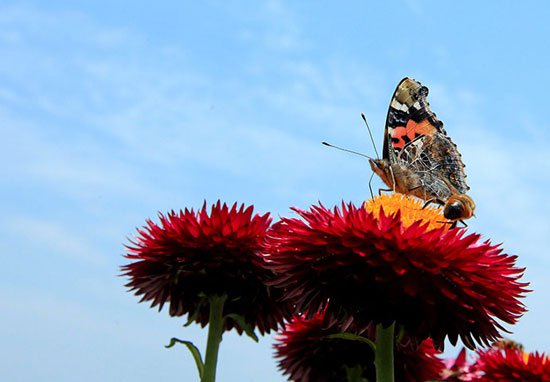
pixel 418 157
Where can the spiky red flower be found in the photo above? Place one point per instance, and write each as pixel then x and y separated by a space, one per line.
pixel 192 255
pixel 417 363
pixel 459 369
pixel 307 355
pixel 512 364
pixel 375 268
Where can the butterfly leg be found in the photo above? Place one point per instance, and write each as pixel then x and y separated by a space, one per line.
pixel 455 222
pixel 433 200
pixel 392 178
pixel 385 190
pixel 379 190
pixel 370 186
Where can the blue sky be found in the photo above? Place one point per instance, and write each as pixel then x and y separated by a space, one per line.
pixel 110 112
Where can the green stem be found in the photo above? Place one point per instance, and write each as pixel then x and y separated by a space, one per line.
pixel 383 359
pixel 215 332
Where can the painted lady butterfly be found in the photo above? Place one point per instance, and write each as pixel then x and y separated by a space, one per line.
pixel 418 157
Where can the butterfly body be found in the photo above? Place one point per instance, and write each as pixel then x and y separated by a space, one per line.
pixel 397 177
pixel 418 156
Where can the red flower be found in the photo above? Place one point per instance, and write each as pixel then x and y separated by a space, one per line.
pixel 191 256
pixel 307 355
pixel 459 370
pixel 379 267
pixel 512 364
pixel 417 363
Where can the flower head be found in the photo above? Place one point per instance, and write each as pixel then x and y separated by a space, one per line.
pixel 307 353
pixel 513 364
pixel 459 370
pixel 191 255
pixel 381 267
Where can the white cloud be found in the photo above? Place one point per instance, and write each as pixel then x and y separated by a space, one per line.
pixel 123 115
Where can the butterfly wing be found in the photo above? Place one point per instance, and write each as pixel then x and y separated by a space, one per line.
pixel 409 118
pixel 415 138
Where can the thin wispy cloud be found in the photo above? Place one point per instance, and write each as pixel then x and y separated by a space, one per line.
pixel 52 239
pixel 506 171
pixel 178 117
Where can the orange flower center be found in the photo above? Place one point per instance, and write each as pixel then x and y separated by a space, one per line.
pixel 412 210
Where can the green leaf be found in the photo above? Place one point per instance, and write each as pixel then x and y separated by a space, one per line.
pixel 352 337
pixel 244 325
pixel 195 352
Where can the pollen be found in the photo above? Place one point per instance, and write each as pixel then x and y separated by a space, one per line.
pixel 412 210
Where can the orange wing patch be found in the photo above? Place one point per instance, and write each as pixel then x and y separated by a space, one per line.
pixel 402 135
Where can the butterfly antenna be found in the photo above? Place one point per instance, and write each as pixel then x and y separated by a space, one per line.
pixel 370 134
pixel 343 149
